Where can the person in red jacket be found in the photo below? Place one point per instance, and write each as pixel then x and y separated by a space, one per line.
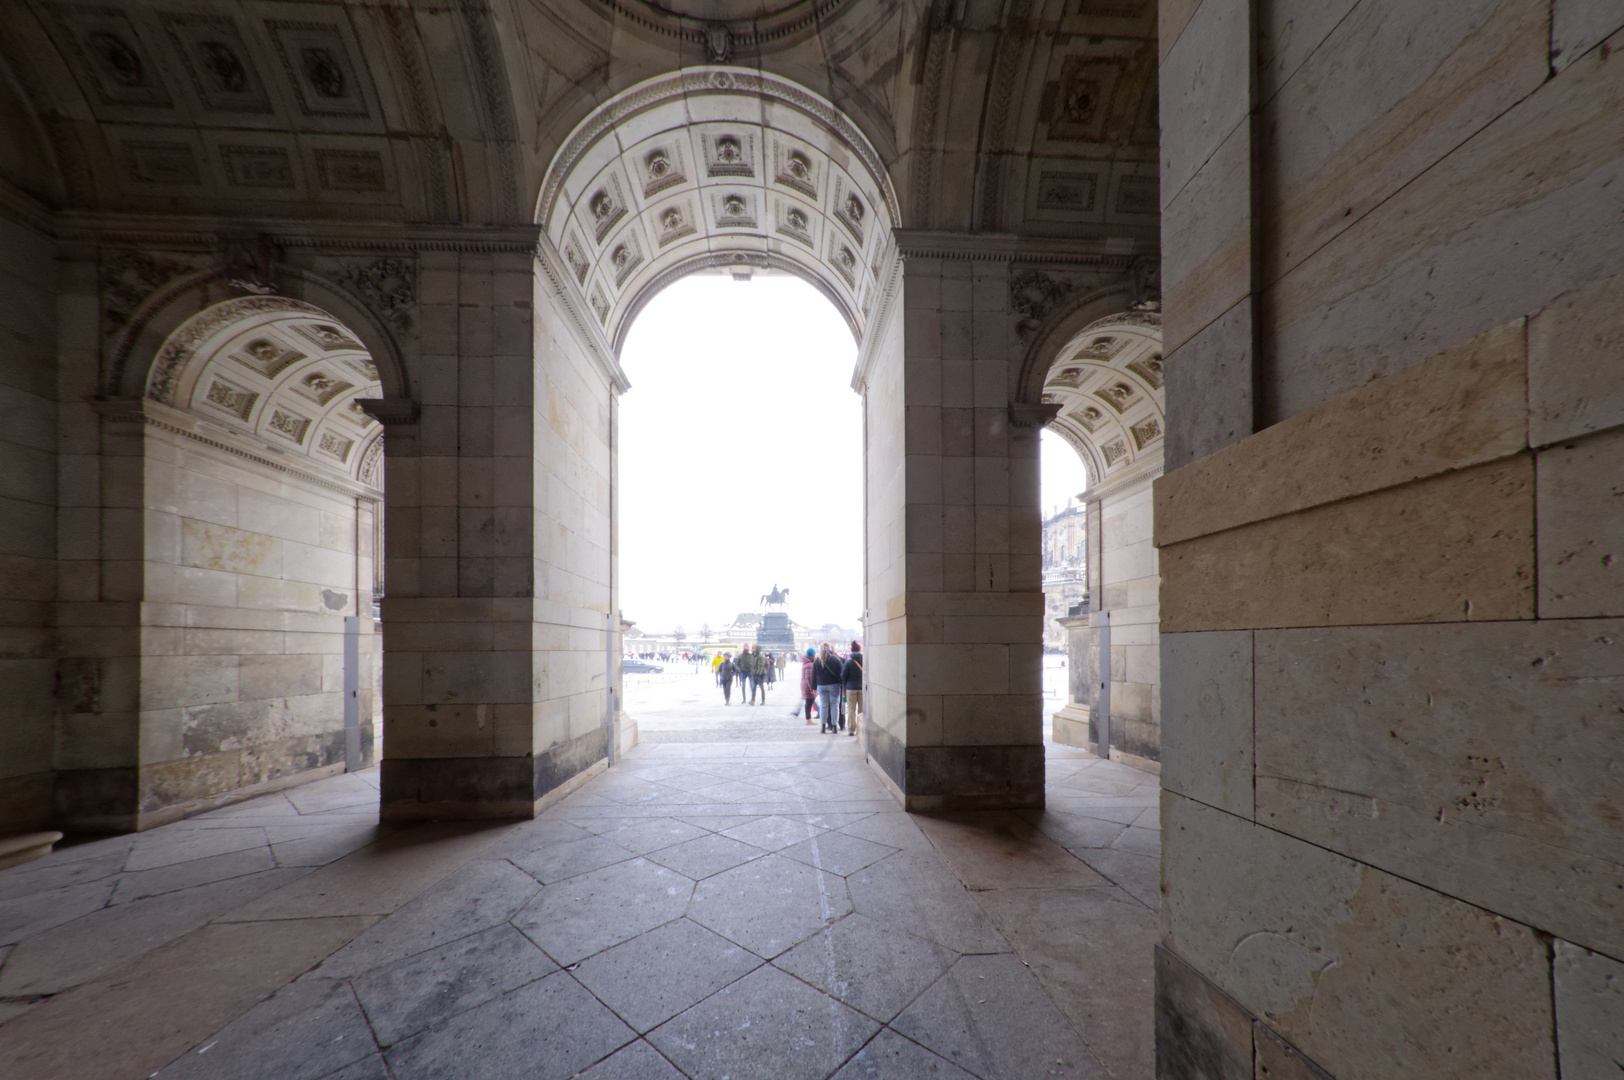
pixel 807 691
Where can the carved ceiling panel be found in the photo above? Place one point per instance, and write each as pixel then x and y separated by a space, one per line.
pixel 713 165
pixel 1108 384
pixel 278 370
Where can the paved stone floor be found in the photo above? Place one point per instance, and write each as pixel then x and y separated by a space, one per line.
pixel 706 910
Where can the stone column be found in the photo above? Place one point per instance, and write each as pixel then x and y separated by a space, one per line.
pixel 956 583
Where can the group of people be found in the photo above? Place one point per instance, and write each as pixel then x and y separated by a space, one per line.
pixel 755 669
pixel 831 682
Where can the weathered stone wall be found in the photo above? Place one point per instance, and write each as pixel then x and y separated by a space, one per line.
pixel 248 575
pixel 28 486
pixel 1392 627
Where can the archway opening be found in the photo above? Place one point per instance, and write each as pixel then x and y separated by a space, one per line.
pixel 740 475
pixel 254 556
pixel 1105 384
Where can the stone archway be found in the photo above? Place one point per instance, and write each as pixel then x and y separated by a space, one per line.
pixel 1106 387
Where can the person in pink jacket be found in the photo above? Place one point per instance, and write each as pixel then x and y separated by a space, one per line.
pixel 807 693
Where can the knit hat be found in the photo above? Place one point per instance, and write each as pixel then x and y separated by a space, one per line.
pixel 811 652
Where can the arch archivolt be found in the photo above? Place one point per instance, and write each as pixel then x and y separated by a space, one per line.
pixel 711 167
pixel 1107 382
pixel 285 372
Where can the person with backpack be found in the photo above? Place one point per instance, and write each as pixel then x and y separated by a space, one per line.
pixel 851 677
pixel 827 683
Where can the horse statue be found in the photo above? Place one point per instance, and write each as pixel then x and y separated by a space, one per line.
pixel 776 596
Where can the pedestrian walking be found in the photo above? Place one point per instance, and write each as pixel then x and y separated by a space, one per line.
pixel 807 691
pixel 827 683
pixel 772 674
pixel 851 676
pixel 747 675
pixel 724 674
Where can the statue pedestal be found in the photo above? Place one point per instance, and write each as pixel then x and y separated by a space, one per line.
pixel 775 633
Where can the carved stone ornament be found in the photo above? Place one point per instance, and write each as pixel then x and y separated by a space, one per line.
pixel 718 43
pixel 1146 273
pixel 249 264
pixel 1033 294
pixel 128 278
pixel 389 287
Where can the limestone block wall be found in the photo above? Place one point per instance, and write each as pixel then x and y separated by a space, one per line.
pixel 885 727
pixel 248 574
pixel 1391 541
pixel 28 485
pixel 957 582
pixel 499 560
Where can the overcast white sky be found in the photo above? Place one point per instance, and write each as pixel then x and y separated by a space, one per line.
pixel 741 456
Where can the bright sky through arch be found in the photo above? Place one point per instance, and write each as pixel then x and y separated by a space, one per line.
pixel 741 456
pixel 1063 476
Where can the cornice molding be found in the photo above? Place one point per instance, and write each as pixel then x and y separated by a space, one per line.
pixel 1147 470
pixel 1116 254
pixel 155 414
pixel 889 287
pixel 17 205
pixel 205 234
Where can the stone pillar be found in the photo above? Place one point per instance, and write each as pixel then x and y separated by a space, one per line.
pixel 498 646
pixel 1070 724
pixel 955 551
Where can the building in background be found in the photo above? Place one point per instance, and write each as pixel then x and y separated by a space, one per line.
pixel 1065 571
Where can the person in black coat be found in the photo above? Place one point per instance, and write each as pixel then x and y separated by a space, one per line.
pixel 851 677
pixel 726 673
pixel 826 681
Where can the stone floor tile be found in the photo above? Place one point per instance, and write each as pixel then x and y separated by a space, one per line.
pixel 777 780
pixel 79 951
pixel 637 1061
pixel 706 855
pixel 643 836
pixel 836 819
pixel 753 771
pixel 1140 841
pixel 888 1056
pixel 274 805
pixel 736 791
pixel 769 904
pixel 872 967
pixel 1150 819
pixel 546 1030
pixel 52 872
pixel 341 794
pixel 1100 782
pixel 530 836
pixel 371 1067
pixel 11 1009
pixel 989 1015
pixel 1088 947
pixel 380 877
pixel 318 845
pixel 837 853
pixel 571 920
pixel 1090 808
pixel 657 975
pixel 1002 851
pixel 648 794
pixel 1140 876
pixel 190 989
pixel 695 781
pixel 75 848
pixel 555 862
pixel 1073 830
pixel 775 832
pixel 303 1031
pixel 483 894
pixel 407 996
pixel 23 917
pixel 165 847
pixel 719 822
pixel 766 1026
pixel 913 891
pixel 890 827
pixel 177 876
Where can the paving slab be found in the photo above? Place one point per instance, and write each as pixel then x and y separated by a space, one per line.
pixel 549 1029
pixel 591 912
pixel 657 975
pixel 889 1056
pixel 872 967
pixel 299 1033
pixel 769 904
pixel 706 855
pixel 767 1026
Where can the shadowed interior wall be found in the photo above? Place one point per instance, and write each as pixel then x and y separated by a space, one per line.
pixel 28 522
pixel 1392 539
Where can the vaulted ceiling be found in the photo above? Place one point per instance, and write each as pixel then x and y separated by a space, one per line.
pixel 1032 117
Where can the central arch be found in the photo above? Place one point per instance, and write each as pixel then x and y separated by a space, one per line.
pixel 714 167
